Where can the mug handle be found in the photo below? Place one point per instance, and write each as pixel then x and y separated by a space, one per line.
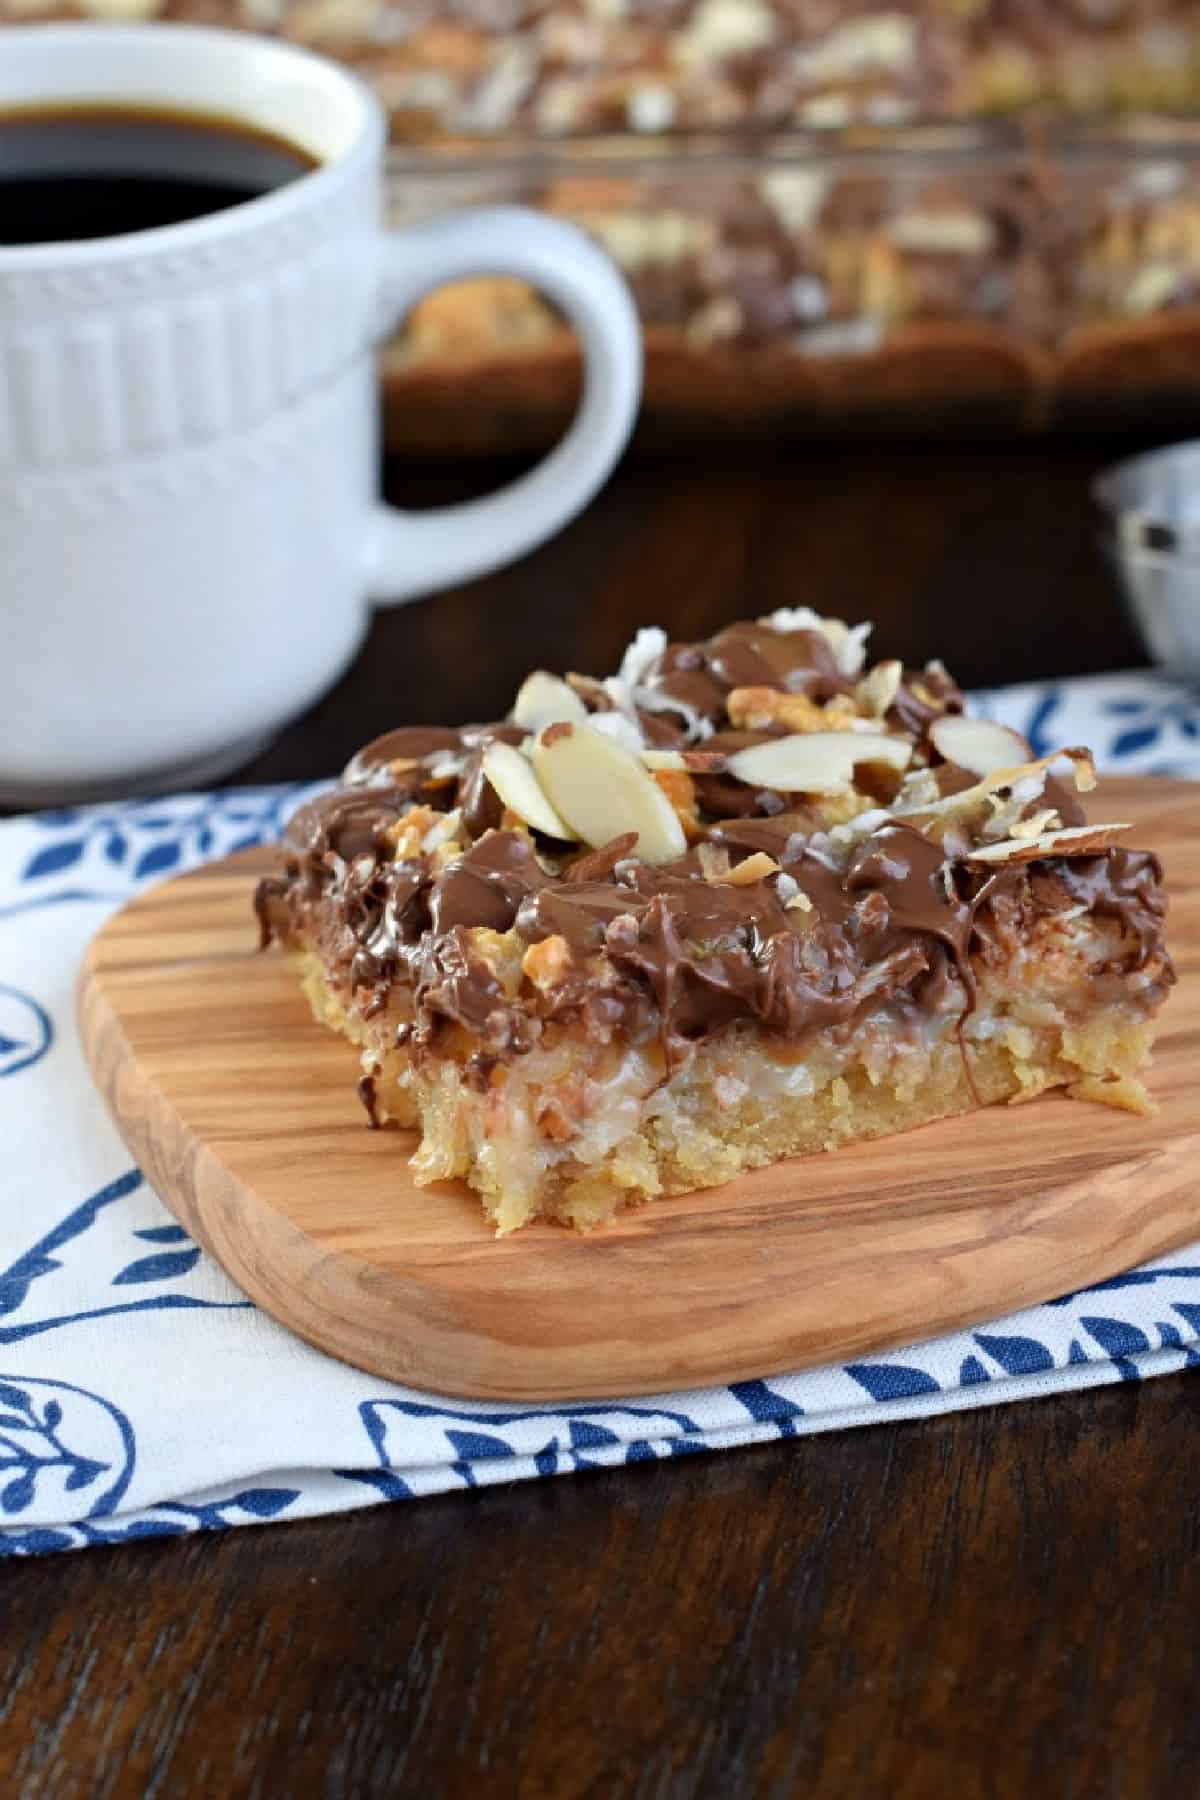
pixel 410 554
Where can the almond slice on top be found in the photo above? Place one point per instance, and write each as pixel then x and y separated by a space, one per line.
pixel 879 687
pixel 1072 840
pixel 519 789
pixel 817 762
pixel 543 700
pixel 602 791
pixel 1031 776
pixel 978 745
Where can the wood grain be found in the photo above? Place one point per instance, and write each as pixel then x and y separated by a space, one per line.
pixel 242 1112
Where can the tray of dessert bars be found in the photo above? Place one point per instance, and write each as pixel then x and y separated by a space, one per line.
pixel 975 276
pixel 808 252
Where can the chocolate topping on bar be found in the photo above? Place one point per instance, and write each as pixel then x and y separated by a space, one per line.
pixel 487 885
pixel 702 676
pixel 419 857
pixel 409 744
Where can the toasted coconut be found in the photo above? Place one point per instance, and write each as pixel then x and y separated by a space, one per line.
pixel 445 766
pixel 863 825
pixel 970 799
pixel 755 867
pixel 918 791
pixel 641 655
pixel 1037 824
pixel 654 700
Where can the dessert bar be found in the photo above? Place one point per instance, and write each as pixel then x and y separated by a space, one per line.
pixel 747 899
pixel 575 66
pixel 977 279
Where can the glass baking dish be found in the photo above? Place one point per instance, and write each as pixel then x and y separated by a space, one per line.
pixel 980 277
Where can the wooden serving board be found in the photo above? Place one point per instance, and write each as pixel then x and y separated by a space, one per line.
pixel 243 1114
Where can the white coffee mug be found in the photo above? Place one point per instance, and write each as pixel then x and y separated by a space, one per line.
pixel 190 534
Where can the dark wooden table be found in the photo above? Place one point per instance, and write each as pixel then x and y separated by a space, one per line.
pixel 997 1603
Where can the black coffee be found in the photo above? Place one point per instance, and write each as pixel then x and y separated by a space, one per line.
pixel 98 172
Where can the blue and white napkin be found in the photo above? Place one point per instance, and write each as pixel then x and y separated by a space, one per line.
pixel 142 1396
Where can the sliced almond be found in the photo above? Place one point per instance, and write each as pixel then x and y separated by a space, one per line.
pixel 978 745
pixel 755 867
pixel 1073 840
pixel 704 762
pixel 544 699
pixel 598 865
pixel 603 791
pixel 690 762
pixel 621 727
pixel 816 762
pixel 519 789
pixel 879 687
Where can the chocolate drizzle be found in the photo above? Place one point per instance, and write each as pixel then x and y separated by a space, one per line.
pixel 366 1093
pixel 702 676
pixel 662 951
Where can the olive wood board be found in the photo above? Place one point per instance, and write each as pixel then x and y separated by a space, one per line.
pixel 243 1113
